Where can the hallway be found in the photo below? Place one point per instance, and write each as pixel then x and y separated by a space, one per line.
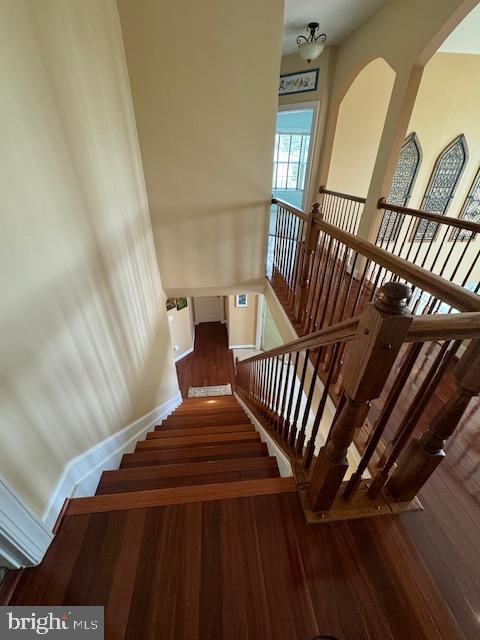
pixel 211 362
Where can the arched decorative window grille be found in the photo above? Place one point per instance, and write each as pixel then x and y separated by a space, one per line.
pixel 441 187
pixel 402 185
pixel 470 210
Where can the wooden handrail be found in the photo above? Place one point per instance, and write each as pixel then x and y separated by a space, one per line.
pixel 289 207
pixel 433 217
pixel 458 326
pixel 340 332
pixel 454 295
pixel 346 196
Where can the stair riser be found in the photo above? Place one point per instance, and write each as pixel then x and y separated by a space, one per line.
pixel 209 421
pixel 201 454
pixel 198 431
pixel 195 441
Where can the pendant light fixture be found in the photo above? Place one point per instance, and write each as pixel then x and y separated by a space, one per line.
pixel 312 46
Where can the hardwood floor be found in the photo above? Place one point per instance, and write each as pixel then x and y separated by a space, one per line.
pixel 211 362
pixel 242 568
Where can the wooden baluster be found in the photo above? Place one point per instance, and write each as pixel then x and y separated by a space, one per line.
pixel 311 238
pixel 423 455
pixel 370 358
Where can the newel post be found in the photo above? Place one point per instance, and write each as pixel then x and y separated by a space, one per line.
pixel 369 359
pixel 424 454
pixel 310 244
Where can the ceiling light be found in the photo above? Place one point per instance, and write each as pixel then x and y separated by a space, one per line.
pixel 311 47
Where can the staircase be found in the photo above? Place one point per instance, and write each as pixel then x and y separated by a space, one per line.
pixel 207 449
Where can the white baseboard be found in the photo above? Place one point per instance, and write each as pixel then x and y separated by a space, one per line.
pixel 24 538
pixel 81 475
pixel 182 355
pixel 283 462
pixel 241 346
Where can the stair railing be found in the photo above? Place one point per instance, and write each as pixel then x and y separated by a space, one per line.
pixel 345 381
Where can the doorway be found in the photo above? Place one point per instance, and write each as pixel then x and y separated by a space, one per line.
pixel 294 138
pixel 208 309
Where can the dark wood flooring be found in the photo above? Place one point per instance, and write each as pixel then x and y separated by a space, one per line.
pixel 251 568
pixel 237 569
pixel 211 362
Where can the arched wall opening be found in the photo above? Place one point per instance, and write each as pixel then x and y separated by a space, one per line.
pixel 445 122
pixel 359 127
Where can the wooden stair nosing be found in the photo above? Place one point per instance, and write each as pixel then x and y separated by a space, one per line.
pixel 193 431
pixel 184 442
pixel 196 454
pixel 179 495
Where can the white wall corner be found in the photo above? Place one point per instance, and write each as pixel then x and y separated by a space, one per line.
pixel 81 475
pixel 24 538
pixel 182 355
pixel 283 462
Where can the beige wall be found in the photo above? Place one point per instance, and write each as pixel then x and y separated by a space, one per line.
pixel 446 106
pixel 181 329
pixel 85 346
pixel 406 33
pixel 359 129
pixel 242 322
pixel 205 107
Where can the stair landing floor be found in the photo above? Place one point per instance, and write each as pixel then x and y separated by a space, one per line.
pixel 240 568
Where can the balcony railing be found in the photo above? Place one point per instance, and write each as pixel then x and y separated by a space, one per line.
pixel 374 346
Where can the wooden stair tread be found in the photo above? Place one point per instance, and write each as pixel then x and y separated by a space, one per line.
pixel 183 442
pixel 194 425
pixel 150 483
pixel 193 431
pixel 189 468
pixel 229 418
pixel 180 495
pixel 212 452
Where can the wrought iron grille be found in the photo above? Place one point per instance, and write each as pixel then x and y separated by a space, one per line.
pixel 470 210
pixel 402 185
pixel 442 185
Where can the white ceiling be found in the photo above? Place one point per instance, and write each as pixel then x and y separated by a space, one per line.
pixel 466 37
pixel 337 18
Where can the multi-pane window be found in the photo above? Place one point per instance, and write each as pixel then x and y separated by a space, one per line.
pixel 442 185
pixel 470 210
pixel 402 185
pixel 290 160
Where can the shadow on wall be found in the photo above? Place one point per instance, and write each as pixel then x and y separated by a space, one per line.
pixel 85 356
pixel 212 241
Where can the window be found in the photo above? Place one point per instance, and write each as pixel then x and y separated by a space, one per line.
pixel 470 210
pixel 442 185
pixel 402 185
pixel 290 161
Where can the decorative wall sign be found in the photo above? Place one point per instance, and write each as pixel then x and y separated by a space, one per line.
pixel 171 303
pixel 181 303
pixel 241 300
pixel 299 82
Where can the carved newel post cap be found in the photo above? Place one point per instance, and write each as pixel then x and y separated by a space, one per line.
pixel 393 298
pixel 316 207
